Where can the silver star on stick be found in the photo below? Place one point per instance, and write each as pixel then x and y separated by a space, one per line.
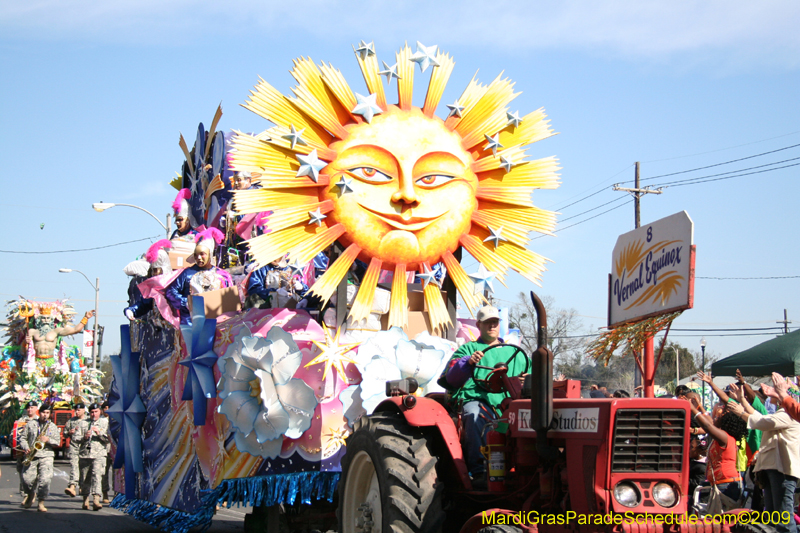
pixel 345 185
pixel 316 217
pixel 506 164
pixel 455 109
pixel 513 118
pixel 495 236
pixel 367 107
pixel 427 276
pixel 310 165
pixel 482 280
pixel 425 56
pixel 295 137
pixel 389 72
pixel 366 49
pixel 494 143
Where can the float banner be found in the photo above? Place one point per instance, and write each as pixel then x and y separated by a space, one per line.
pixel 652 270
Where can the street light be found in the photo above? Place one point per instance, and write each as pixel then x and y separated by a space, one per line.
pixel 102 206
pixel 703 349
pixel 96 287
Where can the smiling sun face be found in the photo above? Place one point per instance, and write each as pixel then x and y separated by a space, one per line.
pixel 413 189
pixel 398 187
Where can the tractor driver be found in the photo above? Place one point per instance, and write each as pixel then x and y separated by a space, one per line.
pixel 479 406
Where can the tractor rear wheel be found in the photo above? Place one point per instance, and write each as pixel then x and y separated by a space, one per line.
pixel 389 482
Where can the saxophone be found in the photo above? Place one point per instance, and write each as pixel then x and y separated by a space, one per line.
pixel 38 445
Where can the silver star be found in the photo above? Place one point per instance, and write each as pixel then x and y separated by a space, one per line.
pixel 294 137
pixel 427 276
pixel 367 107
pixel 425 56
pixel 389 72
pixel 366 49
pixel 495 236
pixel 482 280
pixel 513 118
pixel 506 164
pixel 295 267
pixel 494 143
pixel 310 165
pixel 345 185
pixel 316 217
pixel 455 109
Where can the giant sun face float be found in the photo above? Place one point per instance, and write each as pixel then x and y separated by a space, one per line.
pixel 397 186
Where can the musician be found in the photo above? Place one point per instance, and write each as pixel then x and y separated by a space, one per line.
pixel 109 457
pixel 39 438
pixel 75 434
pixel 92 456
pixel 29 416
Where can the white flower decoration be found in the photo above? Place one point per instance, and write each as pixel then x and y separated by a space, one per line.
pixel 260 397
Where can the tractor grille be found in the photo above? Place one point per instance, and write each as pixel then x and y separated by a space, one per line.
pixel 648 440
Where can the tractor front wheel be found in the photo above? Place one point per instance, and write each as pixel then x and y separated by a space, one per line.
pixel 389 482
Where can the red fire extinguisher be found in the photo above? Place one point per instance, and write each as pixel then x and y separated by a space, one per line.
pixel 496 457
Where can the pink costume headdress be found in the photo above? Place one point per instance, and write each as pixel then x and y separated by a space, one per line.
pixel 181 206
pixel 158 257
pixel 209 238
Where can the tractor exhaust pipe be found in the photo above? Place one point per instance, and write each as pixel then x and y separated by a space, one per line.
pixel 542 384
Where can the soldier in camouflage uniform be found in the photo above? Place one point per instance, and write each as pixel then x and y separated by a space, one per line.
pixel 109 458
pixel 75 434
pixel 41 467
pixel 29 416
pixel 92 456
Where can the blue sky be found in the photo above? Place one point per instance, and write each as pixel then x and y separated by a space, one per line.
pixel 94 94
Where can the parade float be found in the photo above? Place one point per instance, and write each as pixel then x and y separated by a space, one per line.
pixel 254 406
pixel 38 364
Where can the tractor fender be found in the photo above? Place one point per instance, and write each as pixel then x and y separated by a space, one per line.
pixel 430 413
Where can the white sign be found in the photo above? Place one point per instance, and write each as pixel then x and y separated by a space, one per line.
pixel 566 420
pixel 652 270
pixel 88 342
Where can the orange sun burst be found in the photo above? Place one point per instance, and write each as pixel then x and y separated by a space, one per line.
pixel 397 186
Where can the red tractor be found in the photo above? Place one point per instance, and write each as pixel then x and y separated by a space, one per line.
pixel 556 462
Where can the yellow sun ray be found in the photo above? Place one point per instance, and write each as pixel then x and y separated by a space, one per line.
pixel 307 250
pixel 309 76
pixel 534 128
pixel 485 252
pixel 369 69
pixel 275 135
pixel 259 200
pixel 269 103
pixel 462 282
pixel 438 82
pixel 488 116
pixel 508 195
pixel 514 154
pixel 405 85
pixel 297 214
pixel 398 301
pixel 334 79
pixel 437 309
pixel 280 164
pixel 271 246
pixel 362 305
pixel 328 282
pixel 319 112
pixel 529 264
pixel 517 222
pixel 540 173
pixel 474 92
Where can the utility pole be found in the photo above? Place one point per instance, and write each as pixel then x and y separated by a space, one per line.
pixel 785 322
pixel 637 192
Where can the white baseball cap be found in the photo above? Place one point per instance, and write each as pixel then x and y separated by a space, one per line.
pixel 487 312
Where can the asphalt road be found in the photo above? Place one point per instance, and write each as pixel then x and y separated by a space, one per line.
pixel 66 516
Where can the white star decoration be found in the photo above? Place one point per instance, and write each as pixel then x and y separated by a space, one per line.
pixel 296 267
pixel 513 118
pixel 427 276
pixel 482 280
pixel 294 137
pixel 425 56
pixel 333 354
pixel 310 165
pixel 494 143
pixel 316 217
pixel 367 107
pixel 366 49
pixel 495 236
pixel 389 72
pixel 345 185
pixel 455 109
pixel 506 164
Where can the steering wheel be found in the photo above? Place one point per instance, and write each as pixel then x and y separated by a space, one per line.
pixel 490 378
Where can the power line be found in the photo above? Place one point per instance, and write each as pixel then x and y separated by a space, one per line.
pixel 722 149
pixel 753 278
pixel 669 183
pixel 617 199
pixel 80 249
pixel 679 184
pixel 584 220
pixel 603 182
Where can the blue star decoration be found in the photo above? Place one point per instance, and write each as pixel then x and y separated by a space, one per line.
pixel 199 339
pixel 482 280
pixel 427 276
pixel 513 119
pixel 310 165
pixel 316 217
pixel 128 411
pixel 367 107
pixel 345 185
pixel 366 49
pixel 493 143
pixel 425 56
pixel 506 164
pixel 455 109
pixel 495 235
pixel 389 72
pixel 295 137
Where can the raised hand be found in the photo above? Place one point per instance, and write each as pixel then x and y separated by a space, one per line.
pixel 781 385
pixel 704 377
pixel 769 391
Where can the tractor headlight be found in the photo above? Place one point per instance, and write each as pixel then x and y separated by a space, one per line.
pixel 626 494
pixel 664 495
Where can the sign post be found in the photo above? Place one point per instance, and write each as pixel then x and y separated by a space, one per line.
pixel 652 274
